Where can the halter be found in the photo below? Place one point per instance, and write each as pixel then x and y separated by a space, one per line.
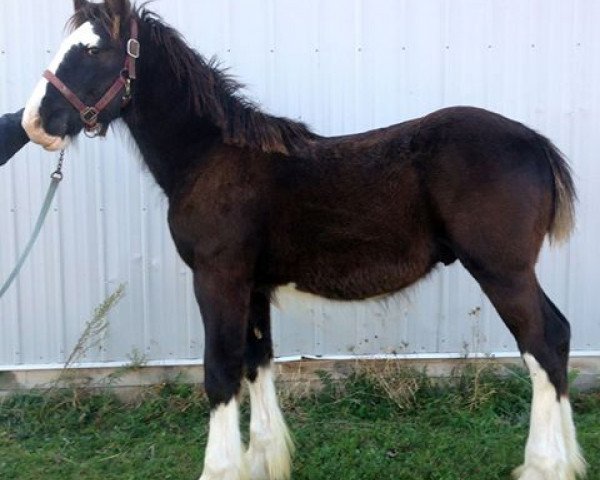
pixel 89 115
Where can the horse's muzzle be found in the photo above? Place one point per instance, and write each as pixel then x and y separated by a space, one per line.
pixel 32 124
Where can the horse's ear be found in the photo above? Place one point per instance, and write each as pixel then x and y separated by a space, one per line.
pixel 79 4
pixel 118 8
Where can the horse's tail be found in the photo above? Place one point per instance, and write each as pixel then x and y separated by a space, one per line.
pixel 565 196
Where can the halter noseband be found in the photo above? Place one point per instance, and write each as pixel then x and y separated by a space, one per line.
pixel 89 115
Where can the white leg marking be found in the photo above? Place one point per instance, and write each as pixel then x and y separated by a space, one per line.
pixel 224 459
pixel 270 451
pixel 575 458
pixel 31 122
pixel 551 452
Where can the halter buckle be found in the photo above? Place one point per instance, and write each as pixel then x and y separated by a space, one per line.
pixel 90 116
pixel 133 48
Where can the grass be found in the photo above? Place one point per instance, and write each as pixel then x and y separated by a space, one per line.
pixel 395 424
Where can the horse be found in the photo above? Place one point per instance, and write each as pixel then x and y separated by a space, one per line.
pixel 258 201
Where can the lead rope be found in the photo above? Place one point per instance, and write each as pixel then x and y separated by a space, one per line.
pixel 55 179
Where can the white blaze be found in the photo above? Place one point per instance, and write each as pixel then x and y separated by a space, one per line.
pixel 552 452
pixel 32 124
pixel 270 450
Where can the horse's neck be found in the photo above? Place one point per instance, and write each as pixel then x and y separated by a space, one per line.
pixel 169 152
pixel 169 135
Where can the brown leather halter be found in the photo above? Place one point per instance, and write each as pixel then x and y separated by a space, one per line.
pixel 89 115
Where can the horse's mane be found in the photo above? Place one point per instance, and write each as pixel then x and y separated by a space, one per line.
pixel 212 93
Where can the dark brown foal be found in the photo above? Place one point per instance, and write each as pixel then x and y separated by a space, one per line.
pixel 258 202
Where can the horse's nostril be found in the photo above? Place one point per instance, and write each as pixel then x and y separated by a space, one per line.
pixel 56 124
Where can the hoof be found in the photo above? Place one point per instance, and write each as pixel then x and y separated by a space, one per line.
pixel 546 470
pixel 228 474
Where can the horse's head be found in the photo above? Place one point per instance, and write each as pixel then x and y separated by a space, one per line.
pixel 88 63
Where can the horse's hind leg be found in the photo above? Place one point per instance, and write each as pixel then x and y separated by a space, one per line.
pixel 270 448
pixel 550 386
pixel 543 336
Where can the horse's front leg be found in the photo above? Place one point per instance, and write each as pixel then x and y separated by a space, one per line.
pixel 223 293
pixel 270 450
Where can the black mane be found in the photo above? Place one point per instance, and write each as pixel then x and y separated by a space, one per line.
pixel 212 93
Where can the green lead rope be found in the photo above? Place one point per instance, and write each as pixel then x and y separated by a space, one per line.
pixel 56 177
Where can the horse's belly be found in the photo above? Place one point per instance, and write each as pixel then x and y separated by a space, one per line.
pixel 360 283
pixel 291 290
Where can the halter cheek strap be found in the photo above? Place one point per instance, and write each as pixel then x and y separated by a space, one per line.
pixel 89 114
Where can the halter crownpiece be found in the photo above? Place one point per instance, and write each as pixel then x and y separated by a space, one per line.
pixel 89 114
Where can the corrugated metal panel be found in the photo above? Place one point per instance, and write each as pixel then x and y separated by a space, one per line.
pixel 342 66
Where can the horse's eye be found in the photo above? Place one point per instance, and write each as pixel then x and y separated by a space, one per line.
pixel 92 50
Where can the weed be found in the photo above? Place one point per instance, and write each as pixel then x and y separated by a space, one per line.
pixel 94 329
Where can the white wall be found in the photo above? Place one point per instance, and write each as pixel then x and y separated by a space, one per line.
pixel 342 66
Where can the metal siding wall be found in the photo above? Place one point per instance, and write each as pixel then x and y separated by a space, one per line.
pixel 342 66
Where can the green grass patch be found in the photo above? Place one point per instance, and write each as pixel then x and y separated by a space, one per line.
pixel 396 424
